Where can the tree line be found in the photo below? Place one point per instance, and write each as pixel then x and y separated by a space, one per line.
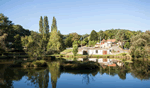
pixel 14 38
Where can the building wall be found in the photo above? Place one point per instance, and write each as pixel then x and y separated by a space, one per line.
pixel 106 45
pixel 93 52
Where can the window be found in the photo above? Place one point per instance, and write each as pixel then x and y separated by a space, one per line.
pixel 96 51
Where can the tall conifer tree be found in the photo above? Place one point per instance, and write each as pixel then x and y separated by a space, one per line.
pixel 54 24
pixel 46 26
pixel 55 41
pixel 41 25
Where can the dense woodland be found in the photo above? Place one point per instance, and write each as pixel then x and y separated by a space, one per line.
pixel 15 38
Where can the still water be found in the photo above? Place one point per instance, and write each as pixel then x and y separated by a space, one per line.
pixel 130 75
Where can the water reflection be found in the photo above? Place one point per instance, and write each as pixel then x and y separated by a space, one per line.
pixel 40 77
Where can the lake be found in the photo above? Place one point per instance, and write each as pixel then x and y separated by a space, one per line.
pixel 128 75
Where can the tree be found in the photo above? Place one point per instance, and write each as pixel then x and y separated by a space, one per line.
pixel 93 36
pixel 61 40
pixel 75 36
pixel 17 43
pixel 5 24
pixel 54 43
pixel 85 36
pixel 3 47
pixel 86 40
pixel 54 24
pixel 127 45
pixel 18 29
pixel 68 41
pixel 121 36
pixel 41 25
pixel 92 43
pixel 75 49
pixel 6 31
pixel 46 25
pixel 34 45
pixel 140 45
pixel 75 42
pixel 101 34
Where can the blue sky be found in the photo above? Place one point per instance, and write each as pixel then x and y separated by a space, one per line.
pixel 80 16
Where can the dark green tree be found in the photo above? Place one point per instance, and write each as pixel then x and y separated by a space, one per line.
pixel 41 25
pixel 17 43
pixel 101 34
pixel 54 24
pixel 68 41
pixel 46 25
pixel 127 45
pixel 5 24
pixel 93 36
pixel 61 41
pixel 140 45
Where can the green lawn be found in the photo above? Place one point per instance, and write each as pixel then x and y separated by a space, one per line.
pixel 66 51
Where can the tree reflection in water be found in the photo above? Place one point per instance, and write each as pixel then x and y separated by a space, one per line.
pixel 140 70
pixel 54 69
pixel 87 78
pixel 40 77
pixel 7 75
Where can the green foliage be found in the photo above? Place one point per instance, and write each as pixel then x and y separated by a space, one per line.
pixel 5 24
pixel 75 49
pixel 85 36
pixel 61 41
pixel 93 36
pixel 92 43
pixel 101 34
pixel 3 47
pixel 140 45
pixel 54 43
pixel 71 38
pixel 34 44
pixel 17 43
pixel 41 25
pixel 46 25
pixel 127 45
pixel 68 42
pixel 54 24
pixel 75 42
pixel 18 29
pixel 75 36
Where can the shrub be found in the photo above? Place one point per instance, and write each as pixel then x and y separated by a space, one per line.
pixel 75 49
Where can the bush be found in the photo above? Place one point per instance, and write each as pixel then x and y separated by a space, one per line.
pixel 75 49
pixel 123 54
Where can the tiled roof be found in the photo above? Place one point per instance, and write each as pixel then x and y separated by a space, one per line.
pixel 111 40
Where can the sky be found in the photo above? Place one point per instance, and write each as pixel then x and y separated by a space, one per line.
pixel 80 16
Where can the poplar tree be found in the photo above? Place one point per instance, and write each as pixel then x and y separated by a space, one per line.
pixel 54 24
pixel 46 26
pixel 55 42
pixel 41 25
